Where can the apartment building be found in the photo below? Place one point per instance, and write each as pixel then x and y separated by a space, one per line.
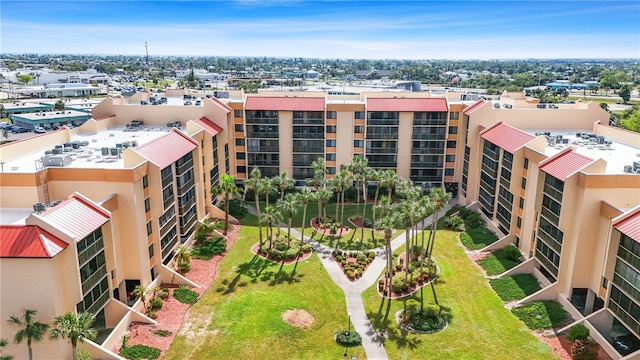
pixel 553 179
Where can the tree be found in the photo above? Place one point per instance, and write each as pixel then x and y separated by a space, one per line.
pixel 265 187
pixel 25 78
pixel 341 182
pixel 438 198
pixel 59 105
pixel 387 223
pixel 304 197
pixel 625 93
pixel 323 196
pixel 5 134
pixel 140 293
pixel 288 207
pixel 252 183
pixel 319 167
pixel 183 257
pixel 269 218
pixel 74 328
pixel 283 182
pixel 3 343
pixel 631 120
pixel 2 110
pixel 227 188
pixel 30 330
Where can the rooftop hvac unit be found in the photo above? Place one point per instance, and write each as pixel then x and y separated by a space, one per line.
pixel 114 151
pixel 38 207
pixel 628 169
pixel 56 151
pixel 105 151
pixel 57 160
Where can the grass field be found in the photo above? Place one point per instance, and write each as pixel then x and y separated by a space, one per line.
pixel 240 316
pixel 481 327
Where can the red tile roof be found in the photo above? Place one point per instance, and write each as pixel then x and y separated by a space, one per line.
pixel 564 164
pixel 505 136
pixel 209 126
pixel 76 217
pixel 167 149
pixel 281 103
pixel 28 241
pixel 407 104
pixel 474 107
pixel 221 105
pixel 629 225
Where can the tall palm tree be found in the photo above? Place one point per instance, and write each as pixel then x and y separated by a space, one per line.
pixel 304 197
pixel 341 182
pixel 425 207
pixel 319 167
pixel 383 180
pixel 30 330
pixel 269 218
pixel 252 183
pixel 3 343
pixel 283 182
pixel 323 196
pixel 265 187
pixel 226 187
pixel 288 207
pixel 357 168
pixel 439 199
pixel 406 212
pixel 74 328
pixel 387 223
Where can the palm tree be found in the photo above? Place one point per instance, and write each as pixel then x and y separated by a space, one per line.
pixel 341 182
pixel 304 197
pixel 269 218
pixel 139 292
pixel 3 343
pixel 319 167
pixel 387 223
pixel 283 182
pixel 252 183
pixel 75 328
pixel 228 188
pixel 265 187
pixel 383 180
pixel 323 196
pixel 357 168
pixel 183 257
pixel 439 198
pixel 30 330
pixel 406 213
pixel 288 207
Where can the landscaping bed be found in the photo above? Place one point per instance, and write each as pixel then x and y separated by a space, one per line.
pixel 516 287
pixel 403 284
pixel 542 315
pixel 500 260
pixel 353 263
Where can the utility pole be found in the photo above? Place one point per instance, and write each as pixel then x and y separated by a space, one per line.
pixel 146 50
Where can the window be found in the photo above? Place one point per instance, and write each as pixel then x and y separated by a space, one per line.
pixel 521 203
pixel 145 182
pixel 240 169
pixel 453 129
pixel 359 115
pixel 524 183
pixel 519 222
pixel 239 127
pixel 147 205
pixel 240 155
pixel 331 157
pixel 331 143
pixel 454 115
pixel 605 282
pixel 331 170
pixel 237 113
pixel 358 143
pixel 358 129
pixel 239 142
pixel 451 144
pixel 331 129
pixel 448 172
pixel 332 115
pixel 450 158
pixel 149 228
pixel 526 163
pixel 150 251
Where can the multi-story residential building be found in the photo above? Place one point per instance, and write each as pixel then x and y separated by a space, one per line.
pixel 555 180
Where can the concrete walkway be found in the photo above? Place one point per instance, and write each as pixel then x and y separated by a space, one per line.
pixel 371 343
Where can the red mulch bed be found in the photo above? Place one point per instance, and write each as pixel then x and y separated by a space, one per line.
pixel 302 257
pixel 173 312
pixel 561 346
pixel 351 259
pixel 411 290
pixel 343 229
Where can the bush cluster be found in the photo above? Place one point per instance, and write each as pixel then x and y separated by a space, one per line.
pixel 138 352
pixel 578 332
pixel 354 270
pixel 162 332
pixel 348 338
pixel 163 293
pixel 208 249
pixel 454 222
pixel 185 295
pixel 430 317
pixel 541 315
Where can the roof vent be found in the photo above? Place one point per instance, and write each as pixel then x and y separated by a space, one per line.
pixel 38 207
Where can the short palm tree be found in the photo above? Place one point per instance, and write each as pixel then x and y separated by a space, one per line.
pixel 265 187
pixel 288 207
pixel 139 292
pixel 3 343
pixel 183 257
pixel 30 330
pixel 74 328
pixel 226 187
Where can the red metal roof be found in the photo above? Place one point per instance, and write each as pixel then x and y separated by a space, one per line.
pixel 76 217
pixel 221 105
pixel 407 104
pixel 167 149
pixel 28 241
pixel 505 136
pixel 565 164
pixel 630 225
pixel 209 126
pixel 474 107
pixel 284 103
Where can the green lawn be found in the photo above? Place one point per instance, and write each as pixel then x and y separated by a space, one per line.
pixel 481 327
pixel 496 262
pixel 515 287
pixel 240 316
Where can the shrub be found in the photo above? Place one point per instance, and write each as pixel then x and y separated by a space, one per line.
pixel 137 352
pixel 367 222
pixel 541 315
pixel 185 295
pixel 578 332
pixel 348 338
pixel 583 349
pixel 155 303
pixel 208 249
pixel 237 208
pixel 472 220
pixel 361 257
pixel 511 252
pixel 162 332
pixel 152 314
pixel 184 267
pixel 515 287
pixel 163 294
pixel 398 285
pixel 454 222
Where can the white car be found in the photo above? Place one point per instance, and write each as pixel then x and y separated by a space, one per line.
pixel 39 130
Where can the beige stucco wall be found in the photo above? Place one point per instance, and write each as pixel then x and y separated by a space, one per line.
pixel 405 132
pixel 285 141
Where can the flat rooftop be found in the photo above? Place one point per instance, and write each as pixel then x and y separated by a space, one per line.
pixel 87 153
pixel 14 216
pixel 616 155
pixel 52 115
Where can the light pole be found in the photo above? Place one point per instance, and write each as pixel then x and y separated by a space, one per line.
pixel 348 334
pixel 349 331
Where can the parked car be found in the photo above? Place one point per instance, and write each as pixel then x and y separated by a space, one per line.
pixel 39 130
pixel 19 129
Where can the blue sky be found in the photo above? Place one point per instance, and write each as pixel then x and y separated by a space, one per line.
pixel 510 29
